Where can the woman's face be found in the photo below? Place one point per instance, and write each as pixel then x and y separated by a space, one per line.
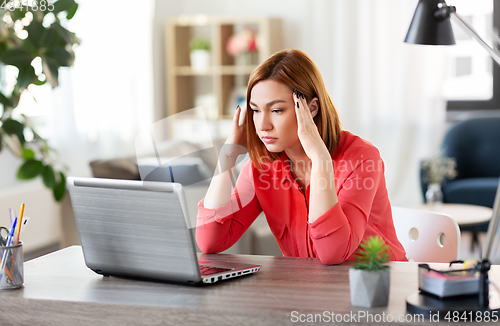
pixel 274 115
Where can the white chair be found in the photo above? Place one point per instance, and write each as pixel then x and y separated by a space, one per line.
pixel 427 236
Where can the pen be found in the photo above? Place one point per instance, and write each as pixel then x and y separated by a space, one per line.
pixel 12 215
pixel 20 223
pixel 9 240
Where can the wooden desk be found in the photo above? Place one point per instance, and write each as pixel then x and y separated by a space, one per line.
pixel 60 290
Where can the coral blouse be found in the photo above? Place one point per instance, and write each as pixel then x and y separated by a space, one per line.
pixel 363 209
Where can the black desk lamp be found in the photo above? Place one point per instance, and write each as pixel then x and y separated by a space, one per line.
pixel 431 26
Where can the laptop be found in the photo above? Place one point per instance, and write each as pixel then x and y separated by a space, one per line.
pixel 137 229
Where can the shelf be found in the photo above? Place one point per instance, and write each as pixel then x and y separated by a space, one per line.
pixel 196 117
pixel 221 86
pixel 213 70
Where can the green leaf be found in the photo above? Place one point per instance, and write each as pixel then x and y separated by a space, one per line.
pixel 51 71
pixel 28 154
pixel 38 82
pixel 18 57
pixel 26 76
pixel 42 38
pixel 372 254
pixel 67 36
pixel 18 14
pixel 60 56
pixel 49 177
pixel 30 169
pixel 60 188
pixel 51 38
pixel 3 47
pixel 16 96
pixel 13 127
pixel 35 31
pixel 72 11
pixel 5 101
pixel 65 5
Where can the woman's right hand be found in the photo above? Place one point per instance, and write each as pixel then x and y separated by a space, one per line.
pixel 236 142
pixel 219 191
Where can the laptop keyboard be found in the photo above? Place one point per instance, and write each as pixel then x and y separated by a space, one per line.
pixel 207 270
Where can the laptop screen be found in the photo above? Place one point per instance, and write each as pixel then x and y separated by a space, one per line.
pixel 134 228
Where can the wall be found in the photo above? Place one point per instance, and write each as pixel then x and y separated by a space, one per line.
pixel 297 27
pixel 8 167
pixel 386 91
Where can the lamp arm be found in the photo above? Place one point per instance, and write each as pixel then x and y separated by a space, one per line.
pixel 494 53
pixel 493 228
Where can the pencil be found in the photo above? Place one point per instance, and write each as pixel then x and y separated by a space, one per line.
pixel 20 223
pixel 8 272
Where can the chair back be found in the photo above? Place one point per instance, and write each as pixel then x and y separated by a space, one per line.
pixel 475 144
pixel 427 236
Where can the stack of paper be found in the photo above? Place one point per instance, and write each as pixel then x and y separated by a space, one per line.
pixel 449 284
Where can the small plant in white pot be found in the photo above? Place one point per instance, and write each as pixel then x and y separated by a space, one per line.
pixel 199 54
pixel 369 280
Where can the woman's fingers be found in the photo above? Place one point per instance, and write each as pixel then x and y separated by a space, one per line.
pixel 239 117
pixel 236 117
pixel 301 108
pixel 242 115
pixel 237 136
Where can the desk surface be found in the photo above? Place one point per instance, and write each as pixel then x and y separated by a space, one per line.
pixel 60 290
pixel 465 215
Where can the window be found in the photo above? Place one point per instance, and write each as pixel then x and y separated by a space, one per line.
pixel 473 80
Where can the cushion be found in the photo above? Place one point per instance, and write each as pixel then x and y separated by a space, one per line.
pixel 474 191
pixel 120 168
pixel 475 144
pixel 184 170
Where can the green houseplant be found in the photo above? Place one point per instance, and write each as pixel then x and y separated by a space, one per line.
pixel 199 53
pixel 199 44
pixel 369 279
pixel 32 32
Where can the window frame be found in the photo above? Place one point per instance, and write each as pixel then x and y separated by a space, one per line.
pixel 462 106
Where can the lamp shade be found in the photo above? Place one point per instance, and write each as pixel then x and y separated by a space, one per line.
pixel 426 28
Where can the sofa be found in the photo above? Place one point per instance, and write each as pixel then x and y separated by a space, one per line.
pixel 475 145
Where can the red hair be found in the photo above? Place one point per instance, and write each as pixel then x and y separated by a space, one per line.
pixel 295 69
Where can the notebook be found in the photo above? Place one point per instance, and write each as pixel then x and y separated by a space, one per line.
pixel 450 283
pixel 138 229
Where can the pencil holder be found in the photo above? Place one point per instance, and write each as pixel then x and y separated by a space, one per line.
pixel 12 272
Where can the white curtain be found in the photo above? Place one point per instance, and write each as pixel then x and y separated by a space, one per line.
pixel 385 90
pixel 106 98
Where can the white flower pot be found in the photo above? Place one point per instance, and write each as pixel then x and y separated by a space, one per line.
pixel 200 60
pixel 369 289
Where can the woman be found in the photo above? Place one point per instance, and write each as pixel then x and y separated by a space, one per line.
pixel 321 188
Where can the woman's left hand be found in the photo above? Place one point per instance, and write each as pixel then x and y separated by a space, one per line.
pixel 307 130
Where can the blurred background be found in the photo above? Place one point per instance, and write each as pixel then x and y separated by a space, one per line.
pixel 134 68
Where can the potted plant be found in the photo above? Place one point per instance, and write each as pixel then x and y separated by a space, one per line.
pixel 243 45
pixel 435 170
pixel 199 54
pixel 26 38
pixel 369 280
